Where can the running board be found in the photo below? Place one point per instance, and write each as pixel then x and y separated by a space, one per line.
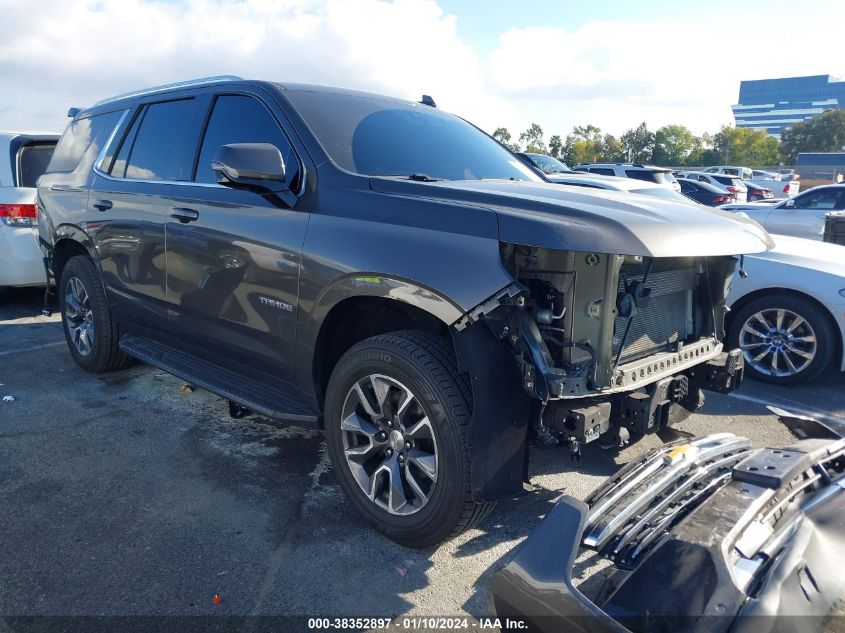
pixel 250 394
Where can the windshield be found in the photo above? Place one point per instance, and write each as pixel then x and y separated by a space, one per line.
pixel 663 192
pixel 548 164
pixel 372 136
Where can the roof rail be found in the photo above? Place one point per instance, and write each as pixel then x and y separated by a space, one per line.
pixel 179 84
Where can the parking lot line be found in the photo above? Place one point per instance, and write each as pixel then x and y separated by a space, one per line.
pixel 32 349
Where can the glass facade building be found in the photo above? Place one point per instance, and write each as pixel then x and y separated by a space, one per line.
pixel 775 104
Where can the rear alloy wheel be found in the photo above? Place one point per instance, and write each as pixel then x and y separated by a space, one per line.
pixel 90 332
pixel 78 315
pixel 784 339
pixel 396 418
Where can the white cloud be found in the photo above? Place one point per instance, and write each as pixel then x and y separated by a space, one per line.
pixel 616 74
pixel 71 53
pixel 610 73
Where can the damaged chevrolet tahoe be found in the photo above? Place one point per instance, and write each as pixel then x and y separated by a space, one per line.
pixel 389 273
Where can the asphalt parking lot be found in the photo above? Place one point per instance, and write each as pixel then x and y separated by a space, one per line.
pixel 125 494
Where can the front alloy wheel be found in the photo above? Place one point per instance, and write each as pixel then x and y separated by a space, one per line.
pixel 396 416
pixel 389 444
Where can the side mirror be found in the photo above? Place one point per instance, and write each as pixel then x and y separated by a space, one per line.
pixel 789 204
pixel 250 165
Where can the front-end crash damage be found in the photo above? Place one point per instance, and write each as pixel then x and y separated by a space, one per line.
pixel 705 534
pixel 608 342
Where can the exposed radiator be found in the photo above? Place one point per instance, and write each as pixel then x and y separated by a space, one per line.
pixel 667 318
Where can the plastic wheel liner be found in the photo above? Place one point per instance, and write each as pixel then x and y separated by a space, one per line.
pixel 701 534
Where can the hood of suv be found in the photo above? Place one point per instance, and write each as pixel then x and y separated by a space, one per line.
pixel 547 215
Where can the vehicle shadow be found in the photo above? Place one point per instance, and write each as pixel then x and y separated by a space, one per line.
pixel 18 303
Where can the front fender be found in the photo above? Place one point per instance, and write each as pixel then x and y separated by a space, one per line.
pixel 371 284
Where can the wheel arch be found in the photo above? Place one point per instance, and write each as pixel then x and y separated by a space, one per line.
pixel 359 306
pixel 761 293
pixel 69 241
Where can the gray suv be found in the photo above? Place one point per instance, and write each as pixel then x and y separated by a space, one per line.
pixel 389 273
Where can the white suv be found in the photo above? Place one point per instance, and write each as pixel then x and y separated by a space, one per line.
pixel 23 158
pixel 731 184
pixel 657 175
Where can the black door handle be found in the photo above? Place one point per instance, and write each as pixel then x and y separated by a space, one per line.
pixel 184 215
pixel 102 205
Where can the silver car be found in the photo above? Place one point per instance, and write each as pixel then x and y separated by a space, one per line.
pixel 801 216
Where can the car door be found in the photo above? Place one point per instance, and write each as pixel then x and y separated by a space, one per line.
pixel 128 203
pixel 233 255
pixel 804 215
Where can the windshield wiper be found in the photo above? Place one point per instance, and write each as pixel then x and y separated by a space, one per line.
pixel 416 177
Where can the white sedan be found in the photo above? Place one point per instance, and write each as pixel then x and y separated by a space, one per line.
pixel 788 315
pixel 802 216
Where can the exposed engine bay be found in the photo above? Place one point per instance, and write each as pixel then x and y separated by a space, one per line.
pixel 608 341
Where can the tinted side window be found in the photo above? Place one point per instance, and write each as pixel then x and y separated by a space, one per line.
pixel 160 151
pixel 239 119
pixel 825 199
pixel 82 135
pixel 602 171
pixel 32 162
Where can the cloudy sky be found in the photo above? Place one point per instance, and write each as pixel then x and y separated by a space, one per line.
pixel 609 63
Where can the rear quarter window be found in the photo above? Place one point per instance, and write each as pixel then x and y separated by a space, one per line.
pixel 83 137
pixel 32 161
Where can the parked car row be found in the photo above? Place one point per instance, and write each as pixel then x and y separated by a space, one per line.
pixel 648 173
pixel 781 185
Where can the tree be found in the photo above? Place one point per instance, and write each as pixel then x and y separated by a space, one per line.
pixel 610 150
pixel 555 146
pixel 583 145
pixel 587 133
pixel 638 144
pixel 532 138
pixel 673 145
pixel 825 132
pixel 504 137
pixel 744 146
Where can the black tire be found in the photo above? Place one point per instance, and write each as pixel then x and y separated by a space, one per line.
pixel 103 353
pixel 819 326
pixel 425 364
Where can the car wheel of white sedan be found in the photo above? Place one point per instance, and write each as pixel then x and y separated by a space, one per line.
pixel 785 339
